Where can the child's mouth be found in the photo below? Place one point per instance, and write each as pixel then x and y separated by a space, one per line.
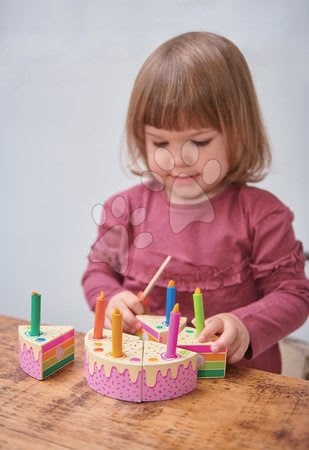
pixel 184 179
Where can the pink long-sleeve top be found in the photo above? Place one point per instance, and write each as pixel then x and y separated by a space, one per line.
pixel 239 248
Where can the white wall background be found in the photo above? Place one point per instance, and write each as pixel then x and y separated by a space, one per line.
pixel 66 71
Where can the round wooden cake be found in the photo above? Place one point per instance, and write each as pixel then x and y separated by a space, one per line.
pixel 143 373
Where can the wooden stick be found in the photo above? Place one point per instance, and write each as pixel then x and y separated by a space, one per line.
pixel 154 279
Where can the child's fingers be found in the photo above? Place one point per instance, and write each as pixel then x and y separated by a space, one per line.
pixel 212 326
pixel 226 339
pixel 127 328
pixel 134 303
pixel 146 300
pixel 130 323
pixel 235 354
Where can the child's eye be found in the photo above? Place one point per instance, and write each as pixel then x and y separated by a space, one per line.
pixel 202 143
pixel 160 144
pixel 198 143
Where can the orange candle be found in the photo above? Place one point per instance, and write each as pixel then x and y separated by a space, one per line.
pixel 116 333
pixel 99 317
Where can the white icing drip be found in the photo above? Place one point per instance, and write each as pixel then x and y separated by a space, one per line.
pixel 135 349
pixel 132 348
pixel 155 350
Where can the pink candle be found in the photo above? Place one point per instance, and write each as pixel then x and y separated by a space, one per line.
pixel 173 331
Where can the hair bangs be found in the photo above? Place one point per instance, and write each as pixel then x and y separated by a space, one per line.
pixel 177 99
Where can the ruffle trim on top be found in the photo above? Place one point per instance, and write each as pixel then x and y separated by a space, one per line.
pixel 188 277
pixel 291 263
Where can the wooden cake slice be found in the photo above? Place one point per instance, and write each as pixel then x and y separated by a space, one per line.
pixel 154 328
pixel 47 352
pixel 215 363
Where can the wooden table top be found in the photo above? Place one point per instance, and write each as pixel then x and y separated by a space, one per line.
pixel 249 409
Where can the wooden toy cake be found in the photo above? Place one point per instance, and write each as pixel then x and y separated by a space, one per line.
pixel 143 373
pixel 155 368
pixel 122 366
pixel 44 349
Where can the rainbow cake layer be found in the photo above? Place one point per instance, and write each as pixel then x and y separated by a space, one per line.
pixel 142 374
pixel 40 356
pixel 215 363
pixel 154 328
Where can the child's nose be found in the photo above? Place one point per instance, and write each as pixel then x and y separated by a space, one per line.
pixel 189 153
pixel 179 162
pixel 186 155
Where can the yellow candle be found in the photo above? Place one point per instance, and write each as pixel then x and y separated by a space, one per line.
pixel 116 333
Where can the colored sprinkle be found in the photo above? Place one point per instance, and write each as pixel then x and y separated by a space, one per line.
pixel 98 349
pixel 135 359
pixel 40 339
pixel 153 359
pixel 183 352
pixel 190 331
pixel 159 327
pixel 99 344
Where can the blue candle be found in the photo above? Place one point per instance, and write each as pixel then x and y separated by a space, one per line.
pixel 170 300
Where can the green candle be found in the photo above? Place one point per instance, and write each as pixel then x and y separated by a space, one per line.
pixel 199 315
pixel 35 314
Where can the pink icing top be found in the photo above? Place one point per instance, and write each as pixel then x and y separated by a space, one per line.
pixel 239 248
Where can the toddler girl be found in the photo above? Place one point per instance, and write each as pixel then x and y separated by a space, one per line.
pixel 196 138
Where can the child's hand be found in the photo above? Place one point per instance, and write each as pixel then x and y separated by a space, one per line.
pixel 129 305
pixel 234 336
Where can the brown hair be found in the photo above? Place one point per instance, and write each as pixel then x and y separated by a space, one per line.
pixel 195 80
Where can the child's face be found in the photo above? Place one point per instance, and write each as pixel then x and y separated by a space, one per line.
pixel 190 162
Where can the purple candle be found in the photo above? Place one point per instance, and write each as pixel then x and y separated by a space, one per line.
pixel 173 331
